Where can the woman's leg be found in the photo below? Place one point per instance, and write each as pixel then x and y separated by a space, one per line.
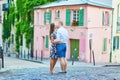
pixel 54 62
pixel 51 65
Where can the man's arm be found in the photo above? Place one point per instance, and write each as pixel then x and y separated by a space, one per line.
pixel 57 40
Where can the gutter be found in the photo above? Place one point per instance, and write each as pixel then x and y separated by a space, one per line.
pixel 111 50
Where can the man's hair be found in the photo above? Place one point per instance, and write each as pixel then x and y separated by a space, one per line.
pixel 60 23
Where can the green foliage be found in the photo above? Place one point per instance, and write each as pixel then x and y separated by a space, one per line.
pixel 12 14
pixel 21 15
pixel 6 27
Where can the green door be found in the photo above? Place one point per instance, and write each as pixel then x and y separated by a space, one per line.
pixel 74 48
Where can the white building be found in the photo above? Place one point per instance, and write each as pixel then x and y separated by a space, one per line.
pixel 1 1
pixel 116 32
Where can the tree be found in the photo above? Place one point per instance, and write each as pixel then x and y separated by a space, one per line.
pixel 21 16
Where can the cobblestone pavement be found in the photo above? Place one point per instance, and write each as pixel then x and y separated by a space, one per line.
pixel 74 72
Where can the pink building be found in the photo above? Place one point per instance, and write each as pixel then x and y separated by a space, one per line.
pixel 88 23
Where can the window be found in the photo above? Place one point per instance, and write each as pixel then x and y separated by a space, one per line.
pixel 46 41
pixel 105 44
pixel 47 17
pixel 57 14
pixel 38 17
pixel 76 15
pixel 118 16
pixel 105 18
pixel 77 19
pixel 116 40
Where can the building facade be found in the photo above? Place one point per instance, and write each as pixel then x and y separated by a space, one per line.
pixel 1 1
pixel 115 51
pixel 88 23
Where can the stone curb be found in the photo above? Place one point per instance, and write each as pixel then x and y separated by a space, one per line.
pixel 4 70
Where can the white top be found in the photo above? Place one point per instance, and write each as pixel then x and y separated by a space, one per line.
pixel 62 35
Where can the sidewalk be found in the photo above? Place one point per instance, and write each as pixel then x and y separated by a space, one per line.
pixel 14 63
pixel 16 69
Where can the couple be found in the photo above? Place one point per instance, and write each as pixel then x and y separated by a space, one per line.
pixel 59 38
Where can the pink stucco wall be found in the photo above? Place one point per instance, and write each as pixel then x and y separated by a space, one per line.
pixel 92 26
pixel 99 32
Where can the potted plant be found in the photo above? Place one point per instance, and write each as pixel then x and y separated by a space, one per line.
pixel 74 23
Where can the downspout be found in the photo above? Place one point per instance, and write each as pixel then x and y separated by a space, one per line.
pixel 111 51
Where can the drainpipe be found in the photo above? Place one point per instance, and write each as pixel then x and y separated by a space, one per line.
pixel 111 51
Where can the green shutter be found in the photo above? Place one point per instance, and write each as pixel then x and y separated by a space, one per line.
pixel 103 18
pixel 50 14
pixel 47 41
pixel 68 16
pixel 105 44
pixel 81 17
pixel 114 42
pixel 45 17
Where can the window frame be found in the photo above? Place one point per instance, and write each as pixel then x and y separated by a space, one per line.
pixel 57 14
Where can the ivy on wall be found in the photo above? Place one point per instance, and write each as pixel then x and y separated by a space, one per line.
pixel 21 15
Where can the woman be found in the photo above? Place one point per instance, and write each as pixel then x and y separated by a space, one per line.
pixel 53 55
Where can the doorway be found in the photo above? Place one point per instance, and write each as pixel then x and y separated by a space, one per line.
pixel 74 49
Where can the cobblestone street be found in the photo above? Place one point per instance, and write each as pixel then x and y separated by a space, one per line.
pixel 40 71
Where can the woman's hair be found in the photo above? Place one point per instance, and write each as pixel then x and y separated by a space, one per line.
pixel 52 27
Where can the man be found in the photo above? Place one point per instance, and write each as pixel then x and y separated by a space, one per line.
pixel 61 40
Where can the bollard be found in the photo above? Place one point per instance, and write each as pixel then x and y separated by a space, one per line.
pixel 21 54
pixel 36 55
pixel 24 54
pixel 41 55
pixel 93 58
pixel 28 54
pixel 90 47
pixel 73 57
pixel 0 64
pixel 2 57
pixel 72 60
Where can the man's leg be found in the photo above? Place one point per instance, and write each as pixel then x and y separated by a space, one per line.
pixel 61 51
pixel 63 64
pixel 65 67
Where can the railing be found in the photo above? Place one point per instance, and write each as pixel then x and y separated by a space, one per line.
pixel 29 56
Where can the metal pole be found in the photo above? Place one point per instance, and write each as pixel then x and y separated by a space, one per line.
pixel 2 59
pixel 90 46
pixel 36 55
pixel 24 54
pixel 93 58
pixel 73 57
pixel 2 56
pixel 21 51
pixel 41 55
pixel 28 53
